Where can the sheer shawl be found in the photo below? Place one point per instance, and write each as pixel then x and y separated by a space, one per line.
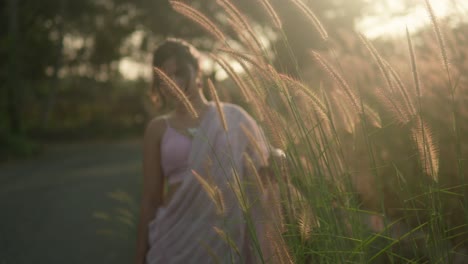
pixel 198 226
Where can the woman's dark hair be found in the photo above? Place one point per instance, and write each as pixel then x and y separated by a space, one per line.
pixel 183 53
pixel 179 49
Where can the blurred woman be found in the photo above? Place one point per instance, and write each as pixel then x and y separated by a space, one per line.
pixel 198 201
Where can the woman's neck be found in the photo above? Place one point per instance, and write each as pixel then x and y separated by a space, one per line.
pixel 199 103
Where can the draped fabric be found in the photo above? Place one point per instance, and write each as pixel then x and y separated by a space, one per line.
pixel 199 227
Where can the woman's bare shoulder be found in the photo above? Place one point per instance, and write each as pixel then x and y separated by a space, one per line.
pixel 155 128
pixel 238 111
pixel 233 108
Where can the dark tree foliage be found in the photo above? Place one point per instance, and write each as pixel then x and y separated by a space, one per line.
pixel 48 41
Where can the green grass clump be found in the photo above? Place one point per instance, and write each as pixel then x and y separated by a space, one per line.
pixel 375 158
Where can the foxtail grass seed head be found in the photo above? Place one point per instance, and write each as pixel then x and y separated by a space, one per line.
pixel 219 201
pixel 254 143
pixel 391 94
pixel 282 251
pixel 317 104
pixel 404 94
pixel 253 79
pixel 204 183
pixel 304 225
pixel 272 13
pixel 394 105
pixel 438 32
pixel 379 60
pixel 428 151
pixel 389 105
pixel 176 91
pixel 257 108
pixel 312 17
pixel 339 80
pixel 275 126
pixel 198 18
pixel 212 191
pixel 245 38
pixel 214 95
pixel 226 238
pixel 414 67
pixel 234 76
pixel 255 61
pixel 237 188
pixel 373 116
pixel 253 170
pixel 237 16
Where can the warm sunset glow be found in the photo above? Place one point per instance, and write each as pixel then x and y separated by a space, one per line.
pixel 392 16
pixel 390 19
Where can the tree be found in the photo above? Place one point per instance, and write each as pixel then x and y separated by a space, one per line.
pixel 13 86
pixel 50 39
pixel 334 15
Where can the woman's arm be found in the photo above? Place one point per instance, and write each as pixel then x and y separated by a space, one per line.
pixel 152 191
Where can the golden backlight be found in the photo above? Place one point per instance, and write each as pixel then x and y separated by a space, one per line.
pixel 391 17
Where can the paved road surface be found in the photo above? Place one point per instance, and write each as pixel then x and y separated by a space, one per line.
pixel 74 204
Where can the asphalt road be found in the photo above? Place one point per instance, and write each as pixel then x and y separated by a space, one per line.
pixel 74 204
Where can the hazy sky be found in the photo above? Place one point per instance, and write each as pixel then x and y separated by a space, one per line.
pixel 392 18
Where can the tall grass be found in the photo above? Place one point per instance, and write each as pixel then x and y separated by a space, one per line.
pixel 369 174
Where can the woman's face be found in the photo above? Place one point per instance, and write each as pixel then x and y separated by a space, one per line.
pixel 183 75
